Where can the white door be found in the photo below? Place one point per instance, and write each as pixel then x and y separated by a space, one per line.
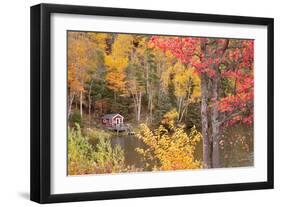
pixel 117 121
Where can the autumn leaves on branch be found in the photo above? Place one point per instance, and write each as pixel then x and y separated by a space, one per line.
pixel 216 73
pixel 217 61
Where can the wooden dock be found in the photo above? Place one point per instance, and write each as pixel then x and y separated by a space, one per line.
pixel 121 128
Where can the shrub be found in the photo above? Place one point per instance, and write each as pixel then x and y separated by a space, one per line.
pixel 170 117
pixel 108 159
pixel 80 156
pixel 170 149
pixel 83 158
pixel 94 134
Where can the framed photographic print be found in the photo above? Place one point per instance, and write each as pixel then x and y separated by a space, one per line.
pixel 133 103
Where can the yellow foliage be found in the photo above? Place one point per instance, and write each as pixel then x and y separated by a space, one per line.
pixel 173 147
pixel 170 116
pixel 98 40
pixel 122 45
pixel 82 46
pixel 117 61
pixel 116 81
pixel 73 83
pixel 165 79
pixel 185 81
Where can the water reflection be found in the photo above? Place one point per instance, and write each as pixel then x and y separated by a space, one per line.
pixel 129 143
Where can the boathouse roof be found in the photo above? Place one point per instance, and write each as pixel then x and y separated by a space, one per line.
pixel 110 116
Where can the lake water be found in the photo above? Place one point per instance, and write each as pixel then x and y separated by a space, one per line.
pixel 128 144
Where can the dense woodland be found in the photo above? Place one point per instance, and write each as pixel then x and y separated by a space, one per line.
pixel 189 101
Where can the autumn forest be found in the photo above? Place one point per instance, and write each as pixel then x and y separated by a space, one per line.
pixel 139 102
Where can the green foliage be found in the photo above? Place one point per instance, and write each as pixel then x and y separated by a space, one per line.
pixel 83 158
pixel 108 159
pixel 164 105
pixel 80 156
pixel 75 117
pixel 95 134
pixel 193 117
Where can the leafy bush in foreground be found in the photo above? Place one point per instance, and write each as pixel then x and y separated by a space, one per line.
pixel 170 149
pixel 83 158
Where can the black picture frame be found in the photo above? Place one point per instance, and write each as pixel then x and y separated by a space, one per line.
pixel 41 99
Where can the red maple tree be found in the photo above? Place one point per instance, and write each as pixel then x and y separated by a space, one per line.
pixel 217 60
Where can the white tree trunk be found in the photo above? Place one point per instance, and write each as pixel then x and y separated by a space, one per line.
pixel 70 101
pixel 139 107
pixel 81 103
